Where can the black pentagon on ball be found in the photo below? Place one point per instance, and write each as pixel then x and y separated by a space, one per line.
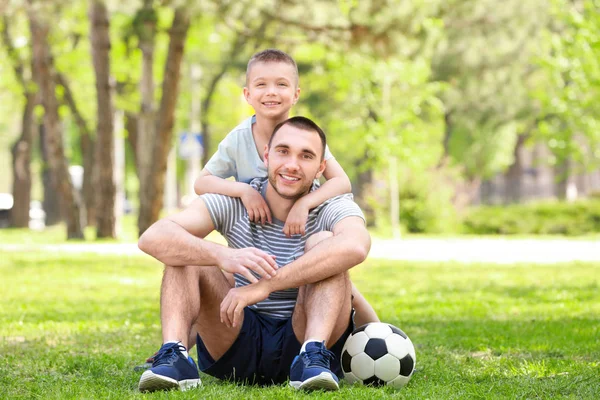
pixel 376 348
pixel 398 331
pixel 374 381
pixel 406 365
pixel 346 359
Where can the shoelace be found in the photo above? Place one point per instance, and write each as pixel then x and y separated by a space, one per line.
pixel 166 353
pixel 320 357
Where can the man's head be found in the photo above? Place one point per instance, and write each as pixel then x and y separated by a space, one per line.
pixel 295 157
pixel 272 83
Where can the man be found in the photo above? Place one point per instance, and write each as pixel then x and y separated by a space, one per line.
pixel 288 291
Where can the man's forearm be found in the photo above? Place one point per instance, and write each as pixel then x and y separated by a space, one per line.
pixel 330 257
pixel 172 245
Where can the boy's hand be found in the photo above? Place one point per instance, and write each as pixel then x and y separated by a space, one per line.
pixel 295 224
pixel 255 204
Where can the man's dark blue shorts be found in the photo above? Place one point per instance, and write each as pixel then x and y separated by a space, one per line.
pixel 263 352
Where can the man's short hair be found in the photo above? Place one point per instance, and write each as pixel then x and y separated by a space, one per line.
pixel 305 124
pixel 272 55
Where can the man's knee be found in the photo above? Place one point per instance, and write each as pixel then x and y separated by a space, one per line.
pixel 316 238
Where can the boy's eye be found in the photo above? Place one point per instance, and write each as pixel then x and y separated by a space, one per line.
pixel 283 84
pixel 260 84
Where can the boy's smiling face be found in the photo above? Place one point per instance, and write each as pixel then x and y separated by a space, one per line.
pixel 272 89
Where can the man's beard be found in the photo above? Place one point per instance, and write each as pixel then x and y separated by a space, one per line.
pixel 304 189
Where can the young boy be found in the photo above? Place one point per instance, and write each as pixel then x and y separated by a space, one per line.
pixel 271 89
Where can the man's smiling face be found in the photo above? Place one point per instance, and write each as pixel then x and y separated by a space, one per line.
pixel 294 160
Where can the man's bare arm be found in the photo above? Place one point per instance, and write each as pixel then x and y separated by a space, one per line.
pixel 177 240
pixel 348 247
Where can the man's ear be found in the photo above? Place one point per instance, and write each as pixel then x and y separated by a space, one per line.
pixel 321 169
pixel 266 156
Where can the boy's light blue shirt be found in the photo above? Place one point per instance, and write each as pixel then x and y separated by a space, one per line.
pixel 237 155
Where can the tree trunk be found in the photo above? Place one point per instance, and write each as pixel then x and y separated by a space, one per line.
pixel 51 203
pixel 151 200
pixel 561 179
pixel 56 157
pixel 21 149
pixel 146 27
pixel 362 191
pixel 89 189
pixel 100 41
pixel 514 174
pixel 21 155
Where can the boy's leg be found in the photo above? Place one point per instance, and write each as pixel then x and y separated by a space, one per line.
pixel 190 300
pixel 364 312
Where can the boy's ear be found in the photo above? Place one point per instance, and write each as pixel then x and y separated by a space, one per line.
pixel 321 169
pixel 246 94
pixel 296 96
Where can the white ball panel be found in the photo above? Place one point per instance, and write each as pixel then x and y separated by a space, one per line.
pixel 378 330
pixel 350 378
pixel 399 382
pixel 411 350
pixel 397 346
pixel 356 343
pixel 387 367
pixel 362 366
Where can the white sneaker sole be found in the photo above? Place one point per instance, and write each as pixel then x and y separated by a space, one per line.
pixel 150 382
pixel 323 381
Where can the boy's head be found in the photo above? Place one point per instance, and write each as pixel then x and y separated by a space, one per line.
pixel 272 56
pixel 295 157
pixel 272 84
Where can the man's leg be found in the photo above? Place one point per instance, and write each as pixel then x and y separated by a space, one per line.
pixel 321 317
pixel 190 300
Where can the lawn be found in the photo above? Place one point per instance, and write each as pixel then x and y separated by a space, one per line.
pixel 74 326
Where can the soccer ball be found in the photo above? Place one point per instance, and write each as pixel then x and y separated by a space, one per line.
pixel 378 354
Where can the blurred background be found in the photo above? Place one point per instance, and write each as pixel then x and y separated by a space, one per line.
pixel 450 116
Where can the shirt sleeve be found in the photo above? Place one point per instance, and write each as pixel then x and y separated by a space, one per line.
pixel 224 211
pixel 223 162
pixel 337 209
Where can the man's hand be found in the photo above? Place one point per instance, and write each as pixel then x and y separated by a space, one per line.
pixel 242 261
pixel 295 224
pixel 239 298
pixel 255 204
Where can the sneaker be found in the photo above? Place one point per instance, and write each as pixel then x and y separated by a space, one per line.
pixel 311 369
pixel 170 370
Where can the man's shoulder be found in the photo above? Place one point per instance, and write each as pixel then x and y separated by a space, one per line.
pixel 214 199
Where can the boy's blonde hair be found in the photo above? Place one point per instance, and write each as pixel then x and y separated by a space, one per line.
pixel 272 55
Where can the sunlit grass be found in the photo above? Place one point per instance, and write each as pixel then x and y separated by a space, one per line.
pixel 74 326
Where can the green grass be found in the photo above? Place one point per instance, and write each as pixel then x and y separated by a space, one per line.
pixel 74 326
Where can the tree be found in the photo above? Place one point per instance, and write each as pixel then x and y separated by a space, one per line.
pixel 100 41
pixel 21 149
pixel 43 63
pixel 152 175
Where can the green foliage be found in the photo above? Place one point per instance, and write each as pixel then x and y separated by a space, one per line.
pixel 426 203
pixel 569 88
pixel 73 326
pixel 577 218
